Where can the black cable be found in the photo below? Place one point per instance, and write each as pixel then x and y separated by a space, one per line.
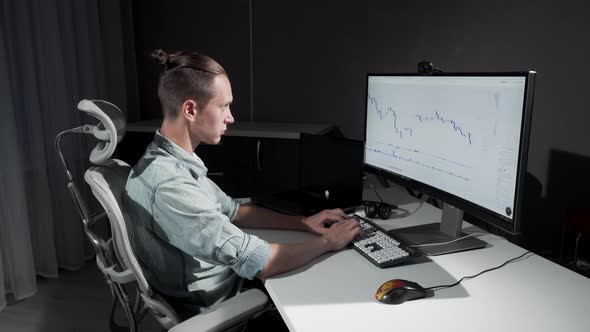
pixel 435 288
pixel 376 193
pixel 411 192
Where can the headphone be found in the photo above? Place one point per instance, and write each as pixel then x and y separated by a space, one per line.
pixel 381 209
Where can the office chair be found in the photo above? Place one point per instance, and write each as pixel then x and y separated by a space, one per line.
pixel 105 255
pixel 107 181
pixel 577 219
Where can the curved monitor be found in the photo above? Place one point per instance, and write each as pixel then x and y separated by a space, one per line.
pixel 460 137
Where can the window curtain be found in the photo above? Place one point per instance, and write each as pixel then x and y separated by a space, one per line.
pixel 52 54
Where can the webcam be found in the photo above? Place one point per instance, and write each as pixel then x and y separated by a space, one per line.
pixel 427 68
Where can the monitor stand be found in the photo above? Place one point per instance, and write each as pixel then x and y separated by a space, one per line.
pixel 447 230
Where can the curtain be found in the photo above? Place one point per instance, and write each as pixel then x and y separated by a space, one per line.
pixel 52 54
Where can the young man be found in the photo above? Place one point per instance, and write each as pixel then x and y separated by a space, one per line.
pixel 185 230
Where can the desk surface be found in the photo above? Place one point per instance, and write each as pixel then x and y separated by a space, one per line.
pixel 250 129
pixel 335 292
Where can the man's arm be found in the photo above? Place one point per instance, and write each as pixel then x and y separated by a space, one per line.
pixel 285 257
pixel 288 256
pixel 250 216
pixel 257 217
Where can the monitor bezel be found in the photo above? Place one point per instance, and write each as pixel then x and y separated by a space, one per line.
pixel 480 212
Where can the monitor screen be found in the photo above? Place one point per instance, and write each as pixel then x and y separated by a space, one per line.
pixel 460 137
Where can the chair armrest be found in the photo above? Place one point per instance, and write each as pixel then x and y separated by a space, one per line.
pixel 122 277
pixel 225 314
pixel 97 217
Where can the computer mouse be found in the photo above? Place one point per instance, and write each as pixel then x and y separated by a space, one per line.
pixel 398 291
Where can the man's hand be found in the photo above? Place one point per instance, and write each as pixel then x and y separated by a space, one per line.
pixel 341 233
pixel 318 222
pixel 288 256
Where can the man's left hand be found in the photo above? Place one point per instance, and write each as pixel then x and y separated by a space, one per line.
pixel 318 222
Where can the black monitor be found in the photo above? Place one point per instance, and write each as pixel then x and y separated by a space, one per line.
pixel 459 137
pixel 332 170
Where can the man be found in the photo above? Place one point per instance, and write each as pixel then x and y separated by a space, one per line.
pixel 185 230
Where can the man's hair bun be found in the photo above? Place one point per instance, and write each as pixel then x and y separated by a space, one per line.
pixel 160 57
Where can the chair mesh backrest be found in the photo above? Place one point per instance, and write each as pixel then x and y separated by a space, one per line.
pixel 108 186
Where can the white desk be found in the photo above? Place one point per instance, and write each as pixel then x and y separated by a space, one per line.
pixel 249 129
pixel 336 291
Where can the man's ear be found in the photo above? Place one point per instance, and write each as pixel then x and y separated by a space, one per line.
pixel 189 109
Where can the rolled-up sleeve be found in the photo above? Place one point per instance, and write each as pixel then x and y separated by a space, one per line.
pixel 246 254
pixel 192 219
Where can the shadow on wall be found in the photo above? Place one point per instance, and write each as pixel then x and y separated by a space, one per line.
pixel 533 215
pixel 568 186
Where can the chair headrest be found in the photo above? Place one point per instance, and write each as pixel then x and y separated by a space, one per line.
pixel 109 131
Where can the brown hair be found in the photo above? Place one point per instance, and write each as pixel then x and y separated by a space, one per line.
pixel 186 76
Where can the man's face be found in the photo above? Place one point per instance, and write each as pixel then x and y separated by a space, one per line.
pixel 212 120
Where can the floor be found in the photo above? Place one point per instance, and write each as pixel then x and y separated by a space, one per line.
pixel 80 301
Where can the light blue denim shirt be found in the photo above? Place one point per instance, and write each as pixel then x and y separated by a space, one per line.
pixel 181 227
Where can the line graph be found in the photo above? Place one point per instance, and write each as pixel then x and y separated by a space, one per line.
pixel 496 97
pixel 458 134
pixel 382 113
pixel 405 154
pixel 413 132
pixel 456 127
pixel 394 147
pixel 402 132
pixel 395 155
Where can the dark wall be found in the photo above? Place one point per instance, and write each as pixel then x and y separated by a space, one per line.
pixel 547 36
pixel 310 62
pixel 568 187
pixel 311 58
pixel 219 29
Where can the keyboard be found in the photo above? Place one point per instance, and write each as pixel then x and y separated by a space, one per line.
pixel 381 248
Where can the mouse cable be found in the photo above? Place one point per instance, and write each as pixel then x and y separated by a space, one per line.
pixel 441 243
pixel 435 288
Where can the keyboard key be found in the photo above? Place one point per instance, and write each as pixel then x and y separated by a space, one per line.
pixel 379 247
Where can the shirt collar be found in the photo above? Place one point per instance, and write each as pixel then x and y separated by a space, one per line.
pixel 191 160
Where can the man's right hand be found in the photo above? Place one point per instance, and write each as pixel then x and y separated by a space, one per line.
pixel 288 256
pixel 341 233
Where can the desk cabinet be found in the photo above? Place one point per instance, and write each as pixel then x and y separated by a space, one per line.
pixel 251 158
